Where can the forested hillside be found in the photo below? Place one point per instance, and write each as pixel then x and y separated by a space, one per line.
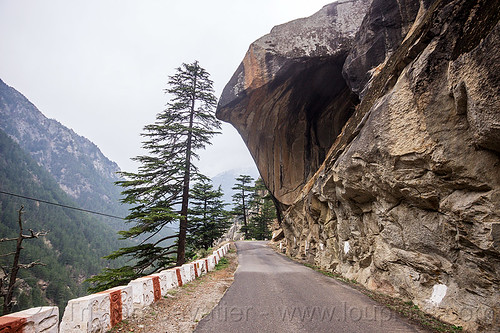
pixel 77 164
pixel 73 249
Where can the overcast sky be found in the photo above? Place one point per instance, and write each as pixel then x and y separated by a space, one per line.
pixel 100 66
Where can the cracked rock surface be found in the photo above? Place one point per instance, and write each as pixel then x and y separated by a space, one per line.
pixel 380 138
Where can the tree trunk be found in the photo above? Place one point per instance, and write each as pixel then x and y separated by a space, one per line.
pixel 7 300
pixel 244 211
pixel 205 222
pixel 181 244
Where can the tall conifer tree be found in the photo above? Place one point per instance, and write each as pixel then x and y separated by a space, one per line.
pixel 241 199
pixel 263 212
pixel 159 191
pixel 208 220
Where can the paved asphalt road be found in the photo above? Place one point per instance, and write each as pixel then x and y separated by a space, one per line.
pixel 271 293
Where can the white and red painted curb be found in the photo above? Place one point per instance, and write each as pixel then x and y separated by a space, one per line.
pixel 143 291
pixel 98 312
pixel 188 273
pixel 102 311
pixel 167 280
pixel 212 261
pixel 43 319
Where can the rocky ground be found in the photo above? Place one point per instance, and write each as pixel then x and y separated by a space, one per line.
pixel 183 308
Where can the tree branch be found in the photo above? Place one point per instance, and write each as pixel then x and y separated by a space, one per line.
pixel 38 233
pixel 34 234
pixel 31 264
pixel 165 238
pixel 4 277
pixel 156 232
pixel 150 262
pixel 8 281
pixel 7 239
pixel 169 247
pixel 164 268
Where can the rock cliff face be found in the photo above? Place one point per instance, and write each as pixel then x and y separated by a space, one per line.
pixel 293 77
pixel 381 141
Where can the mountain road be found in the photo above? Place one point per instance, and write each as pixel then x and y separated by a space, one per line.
pixel 272 293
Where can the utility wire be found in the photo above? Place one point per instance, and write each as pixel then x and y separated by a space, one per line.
pixel 60 205
pixel 70 207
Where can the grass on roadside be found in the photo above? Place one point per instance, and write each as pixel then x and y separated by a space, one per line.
pixel 222 264
pixel 171 292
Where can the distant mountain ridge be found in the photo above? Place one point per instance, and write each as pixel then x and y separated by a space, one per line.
pixel 77 164
pixel 74 246
pixel 41 158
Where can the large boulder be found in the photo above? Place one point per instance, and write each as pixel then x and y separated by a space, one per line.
pixel 385 154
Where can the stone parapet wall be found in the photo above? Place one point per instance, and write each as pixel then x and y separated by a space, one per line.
pixel 41 319
pixel 102 311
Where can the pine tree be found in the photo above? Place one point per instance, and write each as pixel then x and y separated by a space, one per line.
pixel 263 212
pixel 208 220
pixel 241 200
pixel 161 185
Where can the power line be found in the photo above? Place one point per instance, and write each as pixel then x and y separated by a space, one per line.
pixel 70 207
pixel 60 205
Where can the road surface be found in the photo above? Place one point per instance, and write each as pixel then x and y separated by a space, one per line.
pixel 271 293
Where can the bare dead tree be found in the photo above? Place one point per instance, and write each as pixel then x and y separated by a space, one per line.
pixel 9 277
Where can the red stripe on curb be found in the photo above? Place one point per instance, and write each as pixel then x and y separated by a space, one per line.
pixel 195 270
pixel 12 324
pixel 115 305
pixel 206 264
pixel 179 277
pixel 156 287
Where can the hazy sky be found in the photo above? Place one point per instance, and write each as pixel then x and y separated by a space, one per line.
pixel 100 66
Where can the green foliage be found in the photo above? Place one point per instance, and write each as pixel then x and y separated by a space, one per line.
pixel 208 220
pixel 241 199
pixel 161 184
pixel 264 212
pixel 202 253
pixel 112 277
pixel 74 246
pixel 70 158
pixel 222 264
pixel 254 207
pixel 260 221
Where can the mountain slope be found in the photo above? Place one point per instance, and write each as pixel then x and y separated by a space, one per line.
pixel 77 164
pixel 76 241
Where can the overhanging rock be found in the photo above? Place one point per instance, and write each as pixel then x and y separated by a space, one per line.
pixel 288 98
